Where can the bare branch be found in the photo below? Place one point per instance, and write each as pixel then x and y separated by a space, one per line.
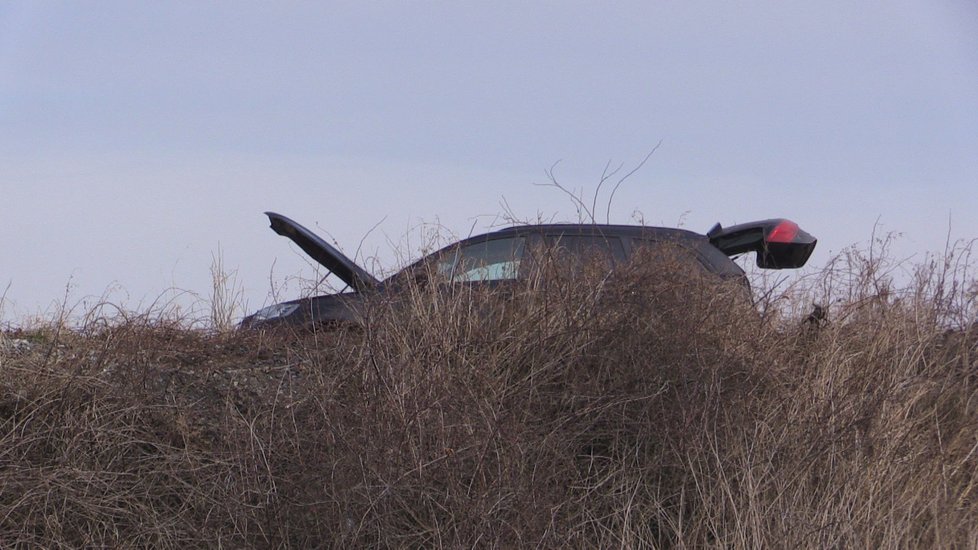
pixel 607 214
pixel 605 176
pixel 577 200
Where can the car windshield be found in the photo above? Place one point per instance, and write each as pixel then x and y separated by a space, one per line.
pixel 493 260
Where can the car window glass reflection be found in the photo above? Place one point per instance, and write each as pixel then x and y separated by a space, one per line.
pixel 493 260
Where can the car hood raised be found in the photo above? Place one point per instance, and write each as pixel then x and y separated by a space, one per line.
pixel 324 253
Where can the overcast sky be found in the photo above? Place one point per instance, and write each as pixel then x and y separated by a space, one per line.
pixel 137 138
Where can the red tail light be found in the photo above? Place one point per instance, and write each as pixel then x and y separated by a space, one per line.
pixel 779 243
pixel 784 232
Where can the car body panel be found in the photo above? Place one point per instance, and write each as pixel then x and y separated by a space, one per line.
pixel 324 253
pixel 344 308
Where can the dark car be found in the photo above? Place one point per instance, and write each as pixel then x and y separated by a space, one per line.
pixel 500 257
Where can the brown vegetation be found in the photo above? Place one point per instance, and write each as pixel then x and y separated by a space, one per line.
pixel 645 410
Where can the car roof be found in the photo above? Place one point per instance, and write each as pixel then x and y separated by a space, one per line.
pixel 592 228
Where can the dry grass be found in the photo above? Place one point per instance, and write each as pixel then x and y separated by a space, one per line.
pixel 643 410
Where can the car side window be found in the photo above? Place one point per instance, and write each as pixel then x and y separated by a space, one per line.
pixel 669 253
pixel 494 260
pixel 584 247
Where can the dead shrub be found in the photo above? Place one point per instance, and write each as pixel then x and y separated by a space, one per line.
pixel 651 408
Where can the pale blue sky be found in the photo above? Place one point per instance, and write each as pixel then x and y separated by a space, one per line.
pixel 136 137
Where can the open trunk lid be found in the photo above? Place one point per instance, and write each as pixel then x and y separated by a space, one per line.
pixel 324 253
pixel 779 243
